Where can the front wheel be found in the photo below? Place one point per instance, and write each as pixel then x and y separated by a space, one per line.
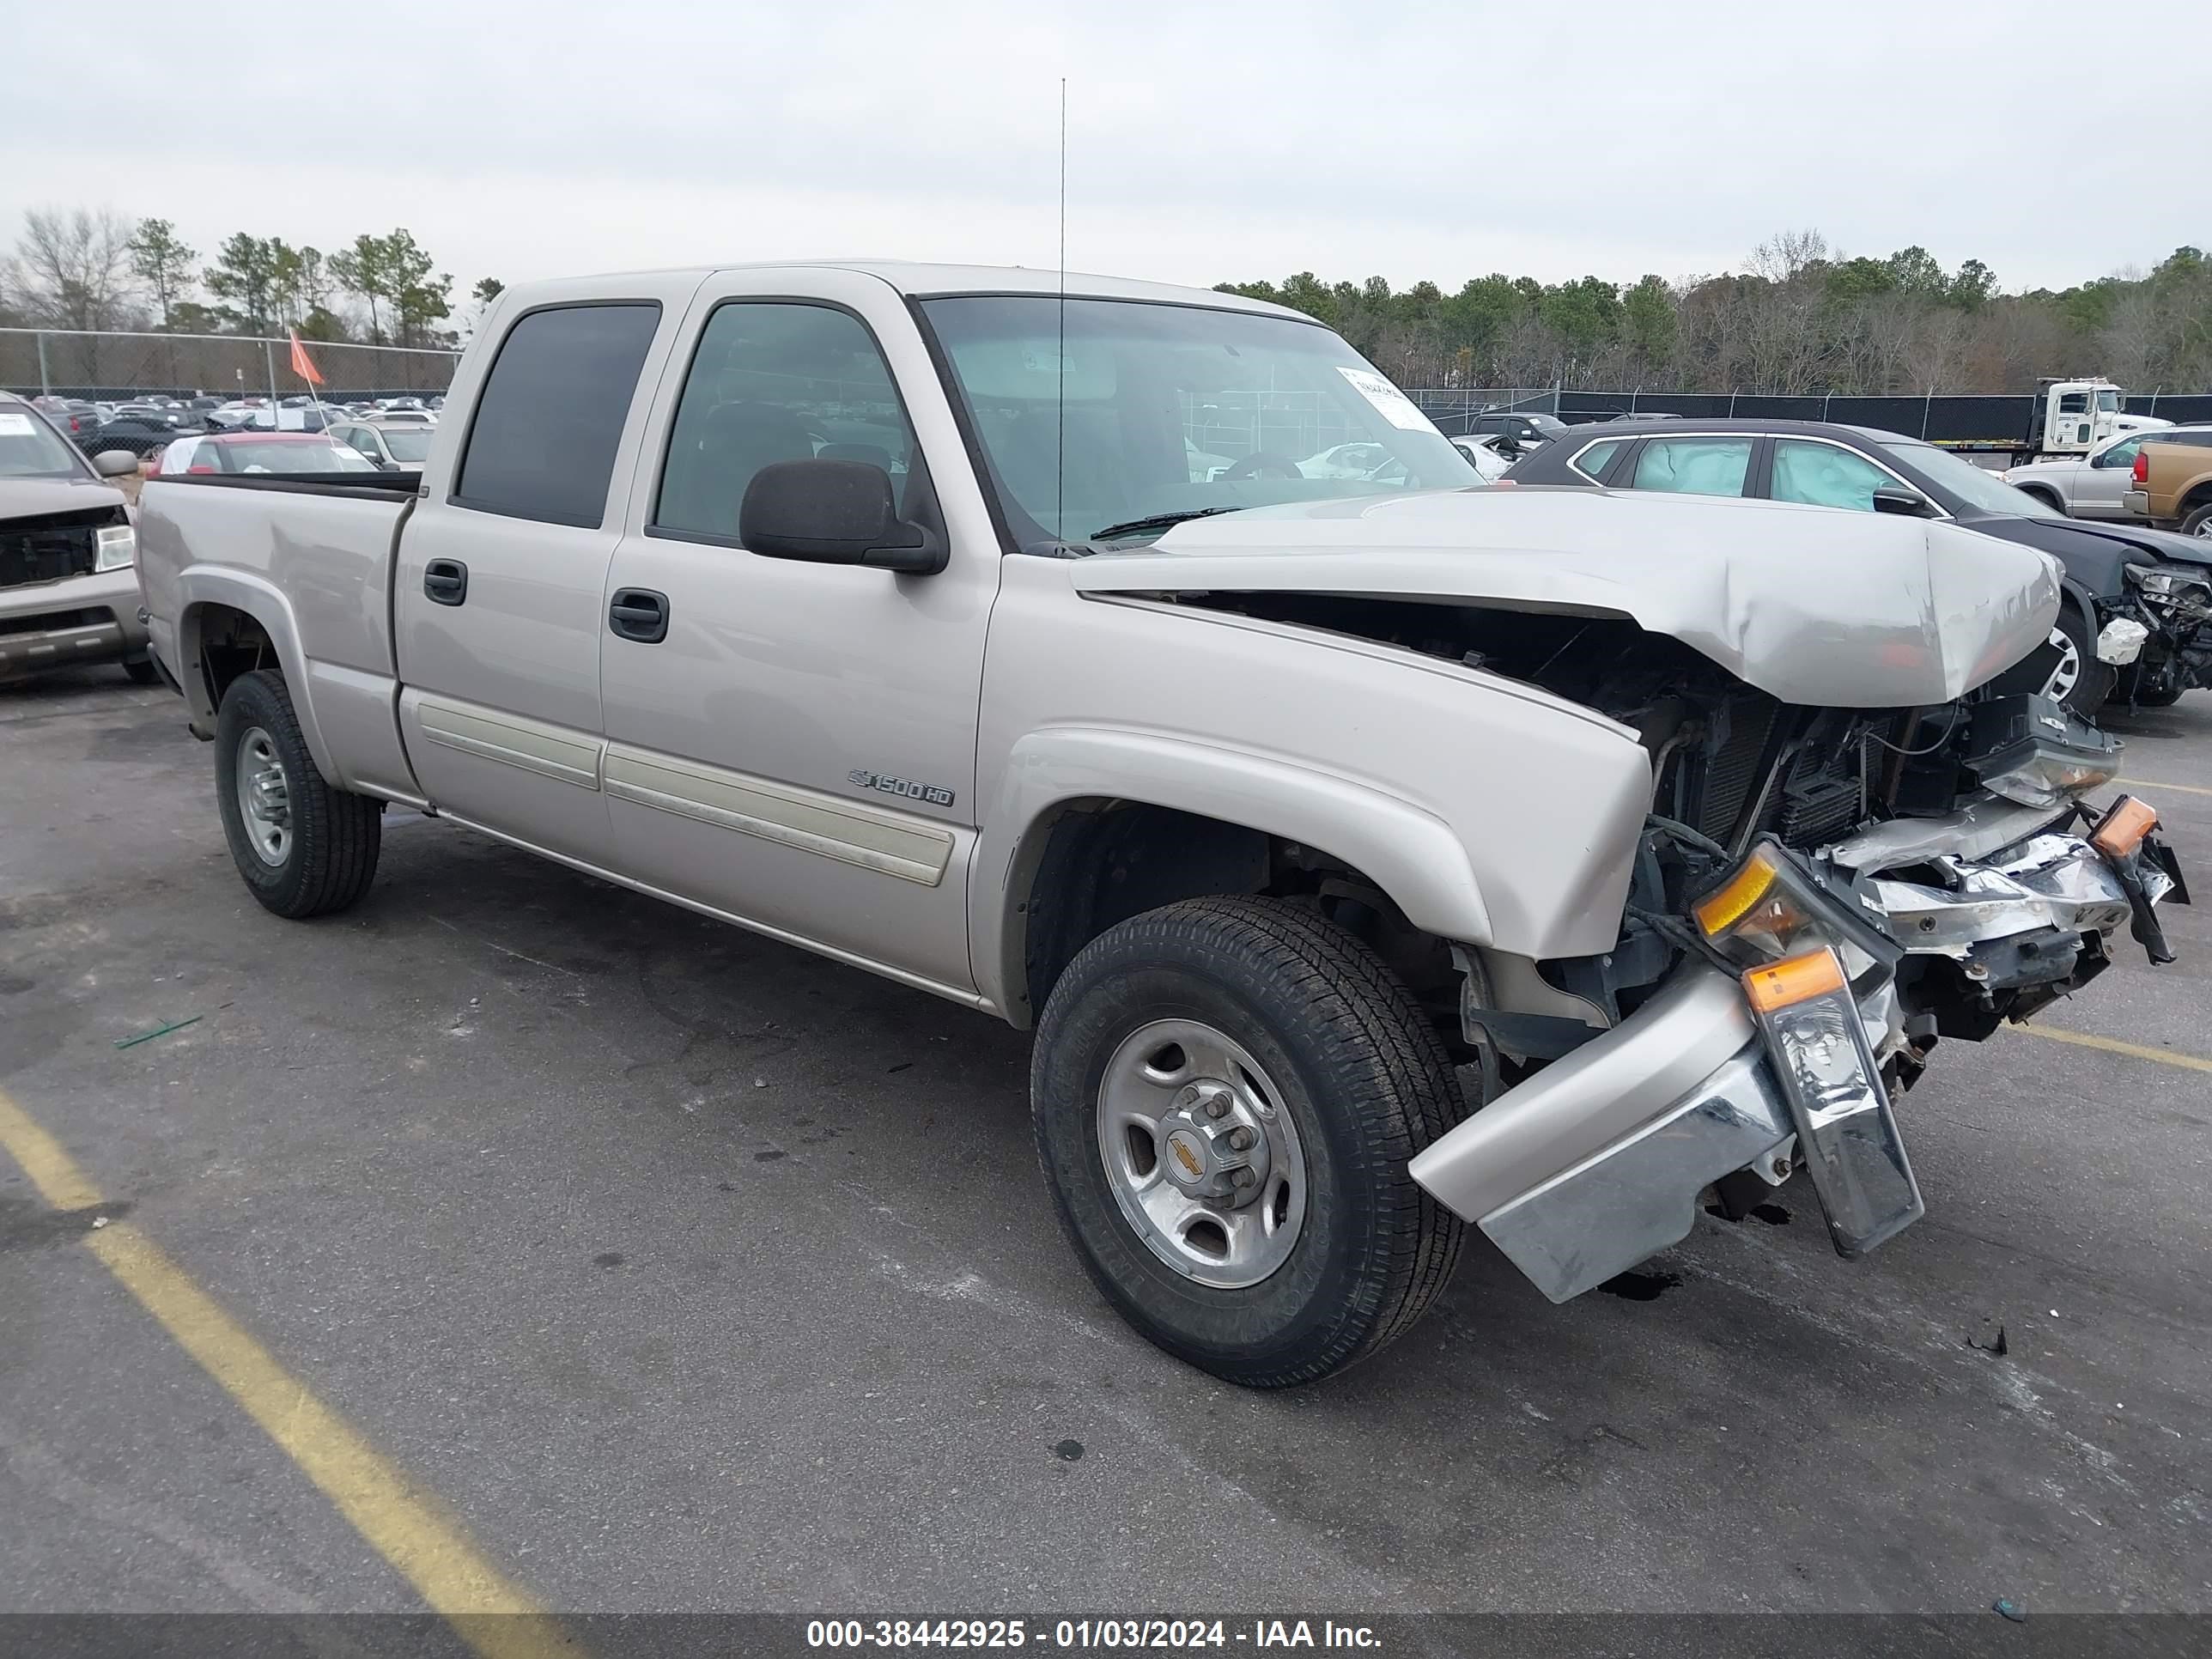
pixel 303 847
pixel 2082 681
pixel 1226 1093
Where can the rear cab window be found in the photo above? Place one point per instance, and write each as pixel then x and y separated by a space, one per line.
pixel 541 442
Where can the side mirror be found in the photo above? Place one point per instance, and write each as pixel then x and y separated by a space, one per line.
pixel 834 513
pixel 115 462
pixel 1910 503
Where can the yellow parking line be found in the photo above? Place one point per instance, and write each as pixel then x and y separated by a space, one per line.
pixel 400 1522
pixel 2146 783
pixel 2114 1045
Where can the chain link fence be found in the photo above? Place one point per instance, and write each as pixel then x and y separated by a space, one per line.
pixel 68 363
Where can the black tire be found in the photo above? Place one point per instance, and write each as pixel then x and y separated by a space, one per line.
pixel 330 856
pixel 141 671
pixel 2097 678
pixel 1361 1073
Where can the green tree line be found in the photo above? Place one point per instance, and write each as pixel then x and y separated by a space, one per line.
pixel 1799 318
pixel 74 268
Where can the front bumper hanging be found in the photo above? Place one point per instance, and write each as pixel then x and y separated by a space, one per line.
pixel 1600 1160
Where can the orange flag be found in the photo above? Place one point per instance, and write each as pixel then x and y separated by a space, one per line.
pixel 300 366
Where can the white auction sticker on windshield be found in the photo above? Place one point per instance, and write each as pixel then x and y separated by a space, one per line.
pixel 1392 404
pixel 14 426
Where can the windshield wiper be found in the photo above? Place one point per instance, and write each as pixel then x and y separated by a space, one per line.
pixel 1158 521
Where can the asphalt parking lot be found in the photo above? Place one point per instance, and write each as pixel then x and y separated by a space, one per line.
pixel 684 1271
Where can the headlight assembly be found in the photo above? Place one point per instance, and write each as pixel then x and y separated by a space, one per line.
pixel 2029 750
pixel 2169 582
pixel 116 546
pixel 1770 907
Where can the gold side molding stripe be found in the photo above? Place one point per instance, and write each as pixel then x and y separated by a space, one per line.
pixel 889 844
pixel 548 750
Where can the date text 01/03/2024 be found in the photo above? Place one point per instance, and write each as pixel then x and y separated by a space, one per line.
pixel 1087 1635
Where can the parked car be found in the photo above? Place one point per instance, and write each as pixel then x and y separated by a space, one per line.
pixel 398 416
pixel 1526 428
pixel 394 447
pixel 1486 453
pixel 1353 460
pixel 2163 650
pixel 990 755
pixel 282 452
pixel 2172 484
pixel 2094 486
pixel 138 433
pixel 67 591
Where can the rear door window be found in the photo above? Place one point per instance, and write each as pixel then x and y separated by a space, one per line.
pixel 1694 466
pixel 551 413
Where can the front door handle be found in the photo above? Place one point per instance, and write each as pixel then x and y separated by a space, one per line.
pixel 639 614
pixel 445 581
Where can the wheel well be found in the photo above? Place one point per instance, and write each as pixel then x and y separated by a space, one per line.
pixel 1100 862
pixel 2048 497
pixel 2200 496
pixel 231 643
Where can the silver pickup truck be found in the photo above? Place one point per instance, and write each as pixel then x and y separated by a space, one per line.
pixel 1371 856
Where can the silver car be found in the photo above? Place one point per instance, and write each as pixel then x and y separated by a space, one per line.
pixel 2091 486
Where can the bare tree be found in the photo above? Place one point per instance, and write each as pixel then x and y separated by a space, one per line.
pixel 72 269
pixel 1788 254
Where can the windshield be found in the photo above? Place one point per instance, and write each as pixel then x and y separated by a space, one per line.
pixel 409 443
pixel 1174 409
pixel 1985 492
pixel 29 448
pixel 2108 403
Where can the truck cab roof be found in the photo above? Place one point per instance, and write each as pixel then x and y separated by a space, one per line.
pixel 920 280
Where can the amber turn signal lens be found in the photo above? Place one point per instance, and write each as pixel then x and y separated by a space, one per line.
pixel 1731 902
pixel 1792 980
pixel 2124 827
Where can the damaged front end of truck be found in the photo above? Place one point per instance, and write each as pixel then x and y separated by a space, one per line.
pixel 1863 838
pixel 1774 1000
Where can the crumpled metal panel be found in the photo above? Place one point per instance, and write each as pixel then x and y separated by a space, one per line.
pixel 1814 606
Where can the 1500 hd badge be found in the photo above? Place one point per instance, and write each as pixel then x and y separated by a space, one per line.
pixel 929 793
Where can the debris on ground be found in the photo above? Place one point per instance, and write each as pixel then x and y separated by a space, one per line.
pixel 1991 1338
pixel 2010 1608
pixel 160 1030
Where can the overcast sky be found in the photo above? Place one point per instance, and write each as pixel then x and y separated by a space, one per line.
pixel 1206 142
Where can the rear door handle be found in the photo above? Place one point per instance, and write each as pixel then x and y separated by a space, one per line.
pixel 445 581
pixel 639 614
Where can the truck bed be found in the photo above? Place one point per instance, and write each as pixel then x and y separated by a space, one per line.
pixel 311 560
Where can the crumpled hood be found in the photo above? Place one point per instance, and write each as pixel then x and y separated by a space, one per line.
pixel 1814 605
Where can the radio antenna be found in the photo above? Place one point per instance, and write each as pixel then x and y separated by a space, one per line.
pixel 1060 457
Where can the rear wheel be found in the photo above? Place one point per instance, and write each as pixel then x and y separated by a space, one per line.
pixel 2199 522
pixel 1226 1093
pixel 303 847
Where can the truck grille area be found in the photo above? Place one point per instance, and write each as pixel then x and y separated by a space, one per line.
pixel 51 547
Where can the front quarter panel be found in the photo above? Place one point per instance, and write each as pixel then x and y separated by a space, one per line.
pixel 1490 813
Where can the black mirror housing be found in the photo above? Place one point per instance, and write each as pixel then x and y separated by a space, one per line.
pixel 1910 503
pixel 834 513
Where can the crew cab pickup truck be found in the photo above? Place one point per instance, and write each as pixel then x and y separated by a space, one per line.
pixel 2172 486
pixel 1369 858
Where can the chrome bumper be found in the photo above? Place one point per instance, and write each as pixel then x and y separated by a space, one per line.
pixel 89 618
pixel 1598 1161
